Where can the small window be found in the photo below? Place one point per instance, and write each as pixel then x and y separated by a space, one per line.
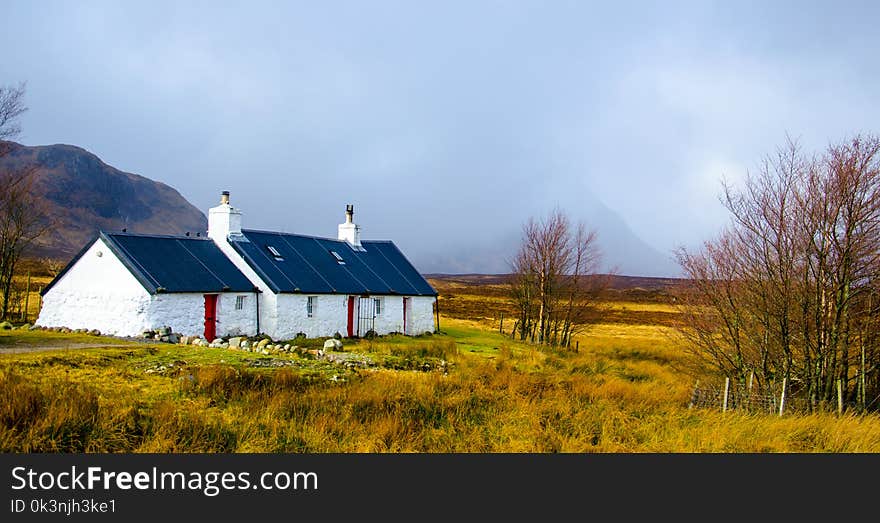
pixel 275 254
pixel 311 305
pixel 378 306
pixel 239 302
pixel 339 259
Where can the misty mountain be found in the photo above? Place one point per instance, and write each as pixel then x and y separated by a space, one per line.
pixel 623 252
pixel 84 195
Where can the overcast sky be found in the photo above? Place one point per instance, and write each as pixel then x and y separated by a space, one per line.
pixel 447 124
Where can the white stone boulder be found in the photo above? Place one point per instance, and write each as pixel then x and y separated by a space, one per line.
pixel 332 344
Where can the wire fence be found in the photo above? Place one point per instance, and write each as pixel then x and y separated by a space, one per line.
pixel 24 301
pixel 777 399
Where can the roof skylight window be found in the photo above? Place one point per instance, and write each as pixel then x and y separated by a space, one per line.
pixel 275 253
pixel 339 259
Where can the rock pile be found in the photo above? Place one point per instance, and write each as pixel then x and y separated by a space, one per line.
pixel 256 344
pixel 162 334
pixel 265 346
pixel 65 330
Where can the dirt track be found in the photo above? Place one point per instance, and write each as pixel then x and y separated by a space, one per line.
pixel 19 348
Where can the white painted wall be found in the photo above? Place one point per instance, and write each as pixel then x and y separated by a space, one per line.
pixel 98 292
pixel 422 315
pixel 391 317
pixel 231 322
pixel 185 313
pixel 331 316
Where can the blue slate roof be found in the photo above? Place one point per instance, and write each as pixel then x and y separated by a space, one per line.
pixel 306 264
pixel 172 263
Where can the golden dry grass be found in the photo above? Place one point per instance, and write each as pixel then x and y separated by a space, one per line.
pixel 624 390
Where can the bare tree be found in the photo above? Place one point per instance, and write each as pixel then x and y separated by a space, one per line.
pixel 789 291
pixel 22 215
pixel 554 284
pixel 52 266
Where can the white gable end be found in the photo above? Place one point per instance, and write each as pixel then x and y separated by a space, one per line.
pixel 97 292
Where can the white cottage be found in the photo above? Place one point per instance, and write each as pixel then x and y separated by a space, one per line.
pixel 239 281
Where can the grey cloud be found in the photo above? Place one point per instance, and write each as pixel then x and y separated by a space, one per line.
pixel 447 125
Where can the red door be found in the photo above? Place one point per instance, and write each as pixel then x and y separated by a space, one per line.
pixel 405 303
pixel 210 316
pixel 350 316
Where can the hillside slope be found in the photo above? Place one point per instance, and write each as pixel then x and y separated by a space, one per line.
pixel 83 195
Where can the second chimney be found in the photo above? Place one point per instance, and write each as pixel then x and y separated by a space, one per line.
pixel 348 231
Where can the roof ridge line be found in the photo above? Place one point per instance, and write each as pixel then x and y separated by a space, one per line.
pixel 151 235
pixel 315 236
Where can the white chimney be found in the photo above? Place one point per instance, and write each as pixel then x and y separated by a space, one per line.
pixel 223 220
pixel 348 231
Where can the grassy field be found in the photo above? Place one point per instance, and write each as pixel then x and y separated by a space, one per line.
pixel 27 290
pixel 468 389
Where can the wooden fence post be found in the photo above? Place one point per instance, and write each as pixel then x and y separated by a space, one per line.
pixel 726 391
pixel 782 396
pixel 862 379
pixel 27 297
pixel 839 397
pixel 577 346
pixel 501 325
